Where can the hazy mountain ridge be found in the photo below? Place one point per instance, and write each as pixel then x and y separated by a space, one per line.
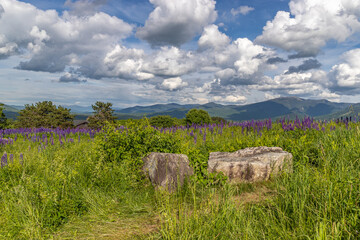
pixel 274 108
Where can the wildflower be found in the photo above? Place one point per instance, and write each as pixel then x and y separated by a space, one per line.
pixel 4 160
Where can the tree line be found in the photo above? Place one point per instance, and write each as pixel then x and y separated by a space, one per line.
pixel 46 114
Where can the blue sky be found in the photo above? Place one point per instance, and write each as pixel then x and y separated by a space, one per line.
pixel 185 51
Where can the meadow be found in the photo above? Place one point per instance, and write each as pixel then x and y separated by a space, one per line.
pixel 87 184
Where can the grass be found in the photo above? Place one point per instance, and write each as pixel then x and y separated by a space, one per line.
pixel 71 191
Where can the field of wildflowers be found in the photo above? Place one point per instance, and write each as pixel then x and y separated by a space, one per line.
pixel 51 178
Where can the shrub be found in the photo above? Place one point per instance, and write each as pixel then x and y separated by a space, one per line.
pixel 102 113
pixel 45 114
pixel 218 120
pixel 162 121
pixel 197 116
pixel 3 120
pixel 128 145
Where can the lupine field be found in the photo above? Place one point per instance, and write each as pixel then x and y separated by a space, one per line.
pixel 87 184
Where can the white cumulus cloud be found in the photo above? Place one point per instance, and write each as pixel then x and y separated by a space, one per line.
pixel 347 74
pixel 312 24
pixel 124 63
pixel 53 41
pixel 174 22
pixel 170 61
pixel 213 38
pixel 230 99
pixel 172 84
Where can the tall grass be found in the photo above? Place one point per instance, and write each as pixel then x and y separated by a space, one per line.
pixel 319 200
pixel 62 191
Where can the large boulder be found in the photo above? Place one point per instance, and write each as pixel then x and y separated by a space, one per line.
pixel 250 164
pixel 167 170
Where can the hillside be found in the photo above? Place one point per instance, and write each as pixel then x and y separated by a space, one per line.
pixel 274 108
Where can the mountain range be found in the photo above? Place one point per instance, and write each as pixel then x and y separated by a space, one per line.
pixel 274 108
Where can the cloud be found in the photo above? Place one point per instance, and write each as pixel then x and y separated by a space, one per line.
pixel 346 76
pixel 305 66
pixel 243 10
pixel 52 42
pixel 274 60
pixel 175 22
pixel 312 24
pixel 1 10
pixel 84 7
pixel 242 62
pixel 172 84
pixel 170 62
pixel 124 63
pixel 301 84
pixel 269 96
pixel 230 99
pixel 68 78
pixel 212 38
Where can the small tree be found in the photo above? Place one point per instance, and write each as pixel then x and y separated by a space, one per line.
pixel 197 116
pixel 102 113
pixel 45 114
pixel 162 121
pixel 3 120
pixel 218 120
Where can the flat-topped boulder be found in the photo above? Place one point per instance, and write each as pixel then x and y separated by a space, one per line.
pixel 250 164
pixel 167 170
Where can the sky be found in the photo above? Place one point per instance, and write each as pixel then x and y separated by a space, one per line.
pixel 144 52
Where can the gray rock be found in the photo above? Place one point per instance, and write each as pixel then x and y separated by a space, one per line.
pixel 167 170
pixel 250 164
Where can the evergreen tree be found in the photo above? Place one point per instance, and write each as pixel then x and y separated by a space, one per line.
pixel 102 113
pixel 45 114
pixel 3 120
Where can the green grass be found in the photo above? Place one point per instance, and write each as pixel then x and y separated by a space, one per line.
pixel 74 192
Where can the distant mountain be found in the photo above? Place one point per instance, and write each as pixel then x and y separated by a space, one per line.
pixel 78 109
pixel 10 111
pixel 274 108
pixel 352 110
pixel 155 108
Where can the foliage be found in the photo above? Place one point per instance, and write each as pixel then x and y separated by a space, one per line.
pixel 197 116
pixel 128 145
pixel 218 120
pixel 162 121
pixel 102 113
pixel 45 114
pixel 51 177
pixel 3 120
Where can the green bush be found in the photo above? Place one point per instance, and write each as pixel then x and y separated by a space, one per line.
pixel 3 120
pixel 197 116
pixel 45 114
pixel 162 121
pixel 128 145
pixel 218 120
pixel 102 113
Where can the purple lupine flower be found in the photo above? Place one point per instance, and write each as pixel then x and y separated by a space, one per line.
pixel 21 158
pixel 4 160
pixel 11 156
